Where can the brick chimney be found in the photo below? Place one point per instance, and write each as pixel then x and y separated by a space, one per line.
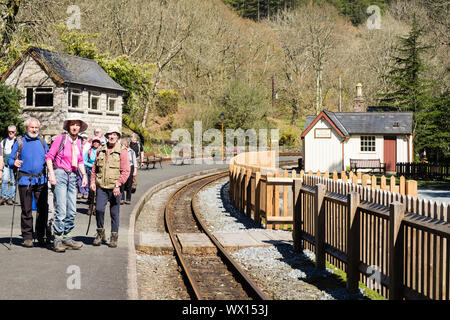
pixel 359 103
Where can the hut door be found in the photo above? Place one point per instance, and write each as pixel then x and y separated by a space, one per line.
pixel 390 152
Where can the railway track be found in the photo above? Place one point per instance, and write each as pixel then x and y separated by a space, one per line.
pixel 212 276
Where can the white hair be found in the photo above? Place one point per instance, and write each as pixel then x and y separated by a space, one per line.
pixel 12 127
pixel 28 121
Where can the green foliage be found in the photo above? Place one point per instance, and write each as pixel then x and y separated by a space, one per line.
pixel 134 77
pixel 287 139
pixel 244 107
pixel 433 130
pixel 355 10
pixel 410 91
pixel 167 103
pixel 77 43
pixel 259 9
pixel 10 109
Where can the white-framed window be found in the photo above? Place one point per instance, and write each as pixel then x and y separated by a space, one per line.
pixel 74 98
pixel 112 102
pixel 368 144
pixel 94 100
pixel 39 97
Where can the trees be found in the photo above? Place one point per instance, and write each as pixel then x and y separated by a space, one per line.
pixel 409 90
pixel 10 109
pixel 434 132
pixel 244 107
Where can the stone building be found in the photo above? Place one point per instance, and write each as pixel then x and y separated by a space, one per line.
pixel 55 85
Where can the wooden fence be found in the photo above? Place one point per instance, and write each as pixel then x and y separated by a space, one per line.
pixel 395 244
pixel 408 187
pixel 423 170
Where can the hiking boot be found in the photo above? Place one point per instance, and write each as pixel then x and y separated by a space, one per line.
pixel 58 246
pixel 42 243
pixel 113 240
pixel 72 244
pixel 10 202
pixel 28 243
pixel 2 201
pixel 99 237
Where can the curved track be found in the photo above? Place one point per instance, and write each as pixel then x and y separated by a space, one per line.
pixel 209 276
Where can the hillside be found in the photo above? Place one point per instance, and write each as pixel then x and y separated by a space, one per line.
pixel 181 63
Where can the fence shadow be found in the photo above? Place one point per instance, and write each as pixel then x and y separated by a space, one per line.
pixel 301 263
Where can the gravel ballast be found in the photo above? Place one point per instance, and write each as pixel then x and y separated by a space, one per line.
pixel 280 272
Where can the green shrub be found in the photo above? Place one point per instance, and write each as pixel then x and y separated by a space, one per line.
pixel 166 103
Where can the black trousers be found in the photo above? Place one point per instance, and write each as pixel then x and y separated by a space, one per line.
pixel 40 192
pixel 125 189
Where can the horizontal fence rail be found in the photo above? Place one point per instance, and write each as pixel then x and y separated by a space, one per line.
pixel 423 170
pixel 395 244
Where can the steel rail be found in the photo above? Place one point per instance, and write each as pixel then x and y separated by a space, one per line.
pixel 251 288
pixel 174 241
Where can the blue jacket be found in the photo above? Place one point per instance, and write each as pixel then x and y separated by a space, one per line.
pixel 33 157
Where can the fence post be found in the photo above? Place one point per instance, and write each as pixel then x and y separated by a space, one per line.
pixel 396 215
pixel 248 192
pixel 402 185
pixel 297 214
pixel 257 214
pixel 319 217
pixel 353 241
pixel 269 201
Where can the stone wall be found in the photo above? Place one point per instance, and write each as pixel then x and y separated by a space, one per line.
pixel 30 74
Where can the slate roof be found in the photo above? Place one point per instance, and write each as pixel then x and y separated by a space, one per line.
pixel 383 123
pixel 71 69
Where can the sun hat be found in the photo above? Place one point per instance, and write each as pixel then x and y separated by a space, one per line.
pixel 111 131
pixel 96 139
pixel 69 118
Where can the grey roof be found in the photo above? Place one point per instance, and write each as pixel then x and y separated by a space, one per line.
pixel 385 123
pixel 76 70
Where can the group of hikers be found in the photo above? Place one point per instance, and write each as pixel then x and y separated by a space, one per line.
pixel 102 169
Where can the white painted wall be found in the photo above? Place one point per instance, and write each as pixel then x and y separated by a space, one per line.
pixel 352 150
pixel 323 154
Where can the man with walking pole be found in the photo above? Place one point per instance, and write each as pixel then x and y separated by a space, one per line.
pixel 29 165
pixel 14 209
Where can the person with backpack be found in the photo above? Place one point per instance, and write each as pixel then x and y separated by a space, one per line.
pixel 82 191
pixel 89 159
pixel 28 159
pixel 138 148
pixel 64 158
pixel 109 172
pixel 8 174
pixel 126 187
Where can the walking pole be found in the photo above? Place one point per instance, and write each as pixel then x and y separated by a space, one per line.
pixel 14 209
pixel 91 211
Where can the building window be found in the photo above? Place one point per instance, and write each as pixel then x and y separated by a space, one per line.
pixel 112 102
pixel 30 93
pixel 74 98
pixel 367 143
pixel 94 100
pixel 39 97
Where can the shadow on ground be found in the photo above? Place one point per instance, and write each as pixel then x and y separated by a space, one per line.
pixel 325 281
